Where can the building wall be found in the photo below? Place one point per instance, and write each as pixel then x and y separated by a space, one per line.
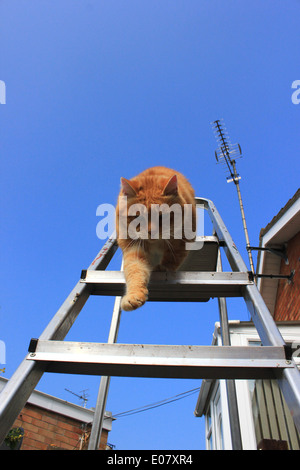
pixel 263 413
pixel 46 430
pixel 288 294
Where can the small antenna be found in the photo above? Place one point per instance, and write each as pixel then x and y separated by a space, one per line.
pixel 226 154
pixel 81 397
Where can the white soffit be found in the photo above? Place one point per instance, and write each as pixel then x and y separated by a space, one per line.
pixel 283 227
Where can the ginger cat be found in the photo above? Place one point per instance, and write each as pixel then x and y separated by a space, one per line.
pixel 151 235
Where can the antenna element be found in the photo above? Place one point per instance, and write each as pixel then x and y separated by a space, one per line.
pixel 83 396
pixel 226 154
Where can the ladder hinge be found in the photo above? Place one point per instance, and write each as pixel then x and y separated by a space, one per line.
pixel 32 345
pixel 83 274
pixel 289 351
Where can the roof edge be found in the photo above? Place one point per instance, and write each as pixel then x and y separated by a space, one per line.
pixel 63 407
pixel 282 211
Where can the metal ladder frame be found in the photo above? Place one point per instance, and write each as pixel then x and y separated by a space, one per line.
pixel 49 351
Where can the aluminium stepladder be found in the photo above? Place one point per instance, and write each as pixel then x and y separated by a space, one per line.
pixel 199 279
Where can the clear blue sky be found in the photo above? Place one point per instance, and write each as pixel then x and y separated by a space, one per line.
pixel 99 89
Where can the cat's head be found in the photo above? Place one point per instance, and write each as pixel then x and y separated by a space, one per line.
pixel 154 190
pixel 148 203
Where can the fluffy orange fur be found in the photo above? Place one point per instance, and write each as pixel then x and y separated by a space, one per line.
pixel 141 256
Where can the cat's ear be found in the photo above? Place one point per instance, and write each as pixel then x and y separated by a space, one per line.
pixel 127 188
pixel 171 188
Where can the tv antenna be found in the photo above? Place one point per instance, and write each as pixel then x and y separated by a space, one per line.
pixel 226 154
pixel 83 396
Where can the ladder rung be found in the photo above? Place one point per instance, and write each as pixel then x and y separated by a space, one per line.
pixel 177 286
pixel 144 360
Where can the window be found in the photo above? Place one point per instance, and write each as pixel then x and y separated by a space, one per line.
pixel 271 416
pixel 214 424
pixel 209 438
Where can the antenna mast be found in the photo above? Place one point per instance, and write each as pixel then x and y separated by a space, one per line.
pixel 227 154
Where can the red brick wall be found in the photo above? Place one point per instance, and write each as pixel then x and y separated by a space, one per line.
pixel 46 430
pixel 288 295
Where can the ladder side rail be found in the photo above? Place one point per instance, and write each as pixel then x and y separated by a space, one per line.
pixel 94 441
pixel 235 260
pixel 289 383
pixel 235 430
pixel 61 323
pixel 263 321
pixel 288 380
pixel 96 431
pixel 22 383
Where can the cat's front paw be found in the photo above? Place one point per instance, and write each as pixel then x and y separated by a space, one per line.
pixel 134 300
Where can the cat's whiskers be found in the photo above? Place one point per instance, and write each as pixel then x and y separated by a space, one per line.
pixel 130 245
pixel 169 245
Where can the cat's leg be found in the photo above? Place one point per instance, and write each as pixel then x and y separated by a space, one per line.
pixel 137 272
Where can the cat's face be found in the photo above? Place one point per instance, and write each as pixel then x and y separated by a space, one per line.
pixel 150 211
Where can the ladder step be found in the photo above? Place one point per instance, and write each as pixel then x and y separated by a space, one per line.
pixel 173 286
pixel 145 360
pixel 204 258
